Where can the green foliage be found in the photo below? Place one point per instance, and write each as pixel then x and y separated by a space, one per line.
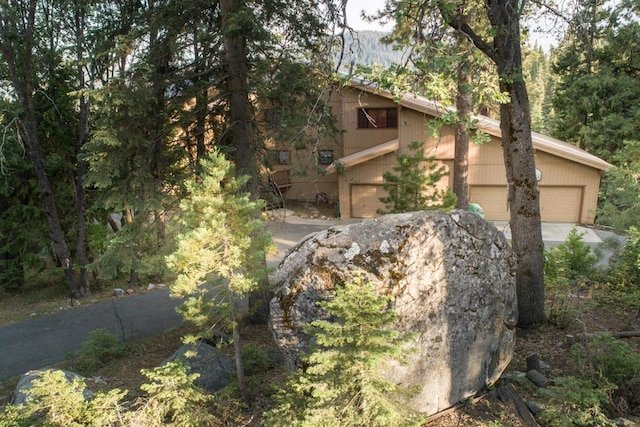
pixel 619 205
pixel 101 347
pixel 342 383
pixel 574 401
pixel 625 267
pixel 221 243
pixel 55 402
pixel 568 266
pixel 413 187
pixel 613 365
pixel 256 359
pixel 173 399
pixel 572 259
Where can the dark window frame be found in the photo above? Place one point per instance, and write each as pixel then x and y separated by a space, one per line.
pixel 278 159
pixel 378 118
pixel 323 159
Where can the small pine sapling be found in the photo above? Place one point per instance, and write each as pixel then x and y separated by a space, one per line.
pixel 413 184
pixel 343 382
pixel 221 247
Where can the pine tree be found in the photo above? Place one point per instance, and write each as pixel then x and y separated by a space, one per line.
pixel 220 251
pixel 413 186
pixel 343 383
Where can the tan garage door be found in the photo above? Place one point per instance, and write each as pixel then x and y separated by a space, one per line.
pixel 492 199
pixel 560 204
pixel 557 204
pixel 365 200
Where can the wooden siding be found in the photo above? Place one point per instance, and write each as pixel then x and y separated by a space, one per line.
pixel 365 200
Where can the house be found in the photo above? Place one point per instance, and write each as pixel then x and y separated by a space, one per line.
pixel 377 126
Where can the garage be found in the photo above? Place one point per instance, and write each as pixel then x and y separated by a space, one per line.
pixel 492 199
pixel 365 200
pixel 557 204
pixel 560 204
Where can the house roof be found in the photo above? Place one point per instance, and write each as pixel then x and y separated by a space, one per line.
pixel 490 126
pixel 364 155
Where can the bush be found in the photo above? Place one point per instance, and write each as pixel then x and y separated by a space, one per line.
pixel 101 347
pixel 611 361
pixel 576 402
pixel 568 267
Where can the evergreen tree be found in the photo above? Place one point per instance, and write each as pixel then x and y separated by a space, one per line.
pixel 342 383
pixel 414 185
pixel 220 251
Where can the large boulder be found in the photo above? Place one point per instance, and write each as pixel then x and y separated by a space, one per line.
pixel 453 278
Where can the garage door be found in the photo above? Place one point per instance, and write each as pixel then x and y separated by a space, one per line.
pixel 557 204
pixel 365 200
pixel 492 199
pixel 560 204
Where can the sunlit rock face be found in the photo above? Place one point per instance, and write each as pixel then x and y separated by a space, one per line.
pixel 453 278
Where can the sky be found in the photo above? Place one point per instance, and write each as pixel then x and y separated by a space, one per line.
pixel 371 6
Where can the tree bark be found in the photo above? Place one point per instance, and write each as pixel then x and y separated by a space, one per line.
pixel 515 123
pixel 19 60
pixel 463 105
pixel 523 193
pixel 81 167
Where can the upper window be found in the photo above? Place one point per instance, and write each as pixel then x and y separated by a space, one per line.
pixel 380 118
pixel 325 157
pixel 280 157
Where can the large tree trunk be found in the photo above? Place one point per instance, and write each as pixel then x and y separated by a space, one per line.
pixel 17 37
pixel 241 126
pixel 517 145
pixel 463 106
pixel 243 137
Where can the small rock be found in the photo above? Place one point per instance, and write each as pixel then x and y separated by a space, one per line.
pixel 216 369
pixel 151 286
pixel 33 315
pixel 26 382
pixel 130 291
pixel 117 292
pixel 623 422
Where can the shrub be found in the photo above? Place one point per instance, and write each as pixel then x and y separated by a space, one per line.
pixel 568 266
pixel 54 401
pixel 574 401
pixel 256 359
pixel 611 361
pixel 101 347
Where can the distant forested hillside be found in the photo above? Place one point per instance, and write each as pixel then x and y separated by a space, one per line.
pixel 365 48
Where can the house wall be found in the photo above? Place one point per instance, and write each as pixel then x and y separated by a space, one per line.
pixel 569 190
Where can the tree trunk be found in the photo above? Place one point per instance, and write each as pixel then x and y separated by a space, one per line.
pixel 17 47
pixel 243 138
pixel 81 167
pixel 515 123
pixel 463 106
pixel 517 146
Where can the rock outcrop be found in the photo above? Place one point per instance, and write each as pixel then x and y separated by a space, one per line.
pixel 453 278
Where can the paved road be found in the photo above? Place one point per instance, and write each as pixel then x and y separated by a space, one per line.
pixel 46 340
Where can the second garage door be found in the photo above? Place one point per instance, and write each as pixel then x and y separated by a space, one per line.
pixel 557 204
